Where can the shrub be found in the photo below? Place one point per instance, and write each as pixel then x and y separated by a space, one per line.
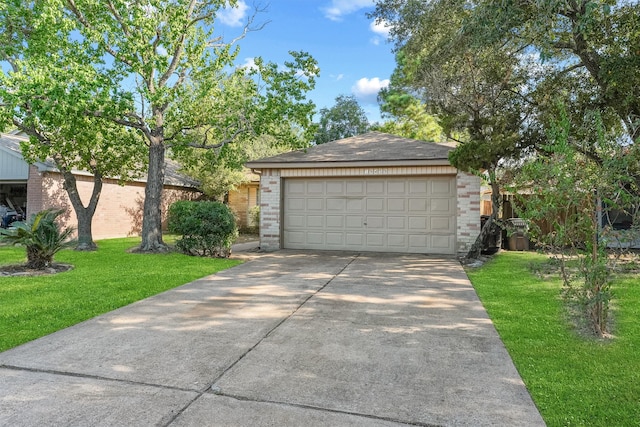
pixel 205 228
pixel 41 236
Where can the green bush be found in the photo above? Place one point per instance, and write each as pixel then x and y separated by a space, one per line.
pixel 41 236
pixel 205 228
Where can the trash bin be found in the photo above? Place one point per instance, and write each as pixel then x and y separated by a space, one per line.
pixel 517 230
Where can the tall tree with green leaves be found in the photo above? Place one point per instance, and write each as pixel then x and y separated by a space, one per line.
pixel 159 64
pixel 35 71
pixel 595 41
pixel 407 116
pixel 344 119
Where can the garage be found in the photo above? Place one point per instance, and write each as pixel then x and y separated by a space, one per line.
pixel 372 192
pixel 401 214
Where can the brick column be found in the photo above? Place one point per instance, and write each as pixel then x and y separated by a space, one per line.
pixel 270 186
pixel 468 196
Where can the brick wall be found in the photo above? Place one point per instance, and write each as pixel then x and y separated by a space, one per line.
pixel 35 191
pixel 119 211
pixel 468 195
pixel 242 200
pixel 270 187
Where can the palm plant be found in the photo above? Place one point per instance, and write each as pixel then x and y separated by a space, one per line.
pixel 41 236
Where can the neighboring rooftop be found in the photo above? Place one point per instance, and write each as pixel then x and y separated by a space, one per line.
pixel 366 148
pixel 10 142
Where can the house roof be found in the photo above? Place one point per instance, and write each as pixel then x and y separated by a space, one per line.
pixel 373 148
pixel 10 143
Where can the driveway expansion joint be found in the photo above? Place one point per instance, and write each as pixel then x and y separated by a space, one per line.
pixel 219 392
pixel 95 377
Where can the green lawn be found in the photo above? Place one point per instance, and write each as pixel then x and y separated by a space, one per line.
pixel 101 281
pixel 574 381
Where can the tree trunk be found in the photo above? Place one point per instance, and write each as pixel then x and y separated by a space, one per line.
pixel 152 211
pixel 83 214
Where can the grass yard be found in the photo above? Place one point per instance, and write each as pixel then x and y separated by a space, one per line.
pixel 101 281
pixel 574 381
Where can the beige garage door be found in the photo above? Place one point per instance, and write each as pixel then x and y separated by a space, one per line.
pixel 404 214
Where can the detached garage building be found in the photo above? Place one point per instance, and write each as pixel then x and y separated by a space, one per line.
pixel 372 192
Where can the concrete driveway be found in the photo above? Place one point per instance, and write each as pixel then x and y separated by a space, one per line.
pixel 286 339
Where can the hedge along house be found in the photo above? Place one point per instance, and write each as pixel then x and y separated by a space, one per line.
pixel 32 188
pixel 372 192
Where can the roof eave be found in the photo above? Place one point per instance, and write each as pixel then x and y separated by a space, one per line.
pixel 352 164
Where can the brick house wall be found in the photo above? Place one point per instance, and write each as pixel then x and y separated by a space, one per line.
pixel 468 200
pixel 270 191
pixel 242 200
pixel 119 211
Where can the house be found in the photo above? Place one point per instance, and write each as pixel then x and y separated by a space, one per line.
pixel 243 200
pixel 372 192
pixel 31 188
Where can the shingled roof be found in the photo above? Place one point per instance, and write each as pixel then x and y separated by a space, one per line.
pixel 370 148
pixel 10 143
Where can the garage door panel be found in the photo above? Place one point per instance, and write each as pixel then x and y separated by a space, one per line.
pixel 442 187
pixel 396 187
pixel 418 223
pixel 418 205
pixel 334 204
pixel 375 222
pixel 376 186
pixel 335 239
pixel 295 221
pixel 355 205
pixel 315 238
pixel 443 243
pixel 315 221
pixel 397 241
pixel 335 187
pixel 352 221
pixel 375 240
pixel 396 205
pixel 441 224
pixel 355 188
pixel 395 214
pixel 354 240
pixel 315 204
pixel 396 222
pixel 315 187
pixel 375 205
pixel 440 205
pixel 335 221
pixel 295 204
pixel 295 237
pixel 418 187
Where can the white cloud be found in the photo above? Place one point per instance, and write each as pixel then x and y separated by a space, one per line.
pixel 381 28
pixel 234 16
pixel 249 64
pixel 339 8
pixel 366 90
pixel 338 77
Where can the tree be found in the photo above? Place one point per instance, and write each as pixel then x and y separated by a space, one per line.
pixel 280 120
pixel 161 64
pixel 346 118
pixel 477 93
pixel 597 40
pixel 37 67
pixel 407 117
pixel 565 191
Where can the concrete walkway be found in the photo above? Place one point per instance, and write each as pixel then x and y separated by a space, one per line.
pixel 286 339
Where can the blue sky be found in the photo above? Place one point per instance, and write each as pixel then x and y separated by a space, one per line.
pixel 353 54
